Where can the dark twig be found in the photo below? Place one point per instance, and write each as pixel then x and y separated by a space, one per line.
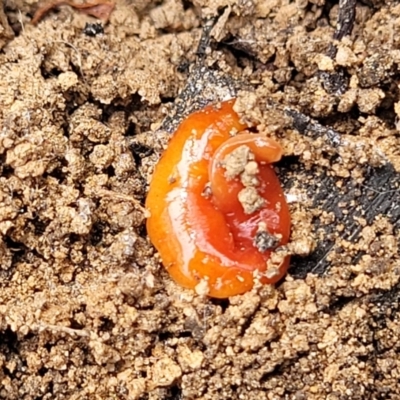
pixel 345 23
pixel 337 82
pixel 205 37
pixel 312 128
pixel 204 85
pixel 377 195
pixel 346 18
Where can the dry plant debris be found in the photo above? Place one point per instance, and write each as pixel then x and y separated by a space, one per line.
pixel 100 9
pixel 85 309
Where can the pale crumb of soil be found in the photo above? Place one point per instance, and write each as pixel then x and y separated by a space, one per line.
pixel 241 162
pixel 236 161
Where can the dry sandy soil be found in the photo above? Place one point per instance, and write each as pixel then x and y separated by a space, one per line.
pixel 86 309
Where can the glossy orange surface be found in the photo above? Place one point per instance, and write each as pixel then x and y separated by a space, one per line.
pixel 196 221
